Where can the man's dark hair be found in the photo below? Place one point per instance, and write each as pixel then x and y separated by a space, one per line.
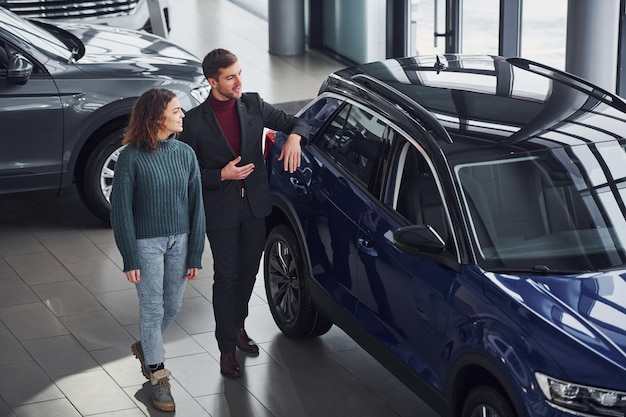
pixel 215 60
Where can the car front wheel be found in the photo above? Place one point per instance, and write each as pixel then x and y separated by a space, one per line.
pixel 287 287
pixel 486 401
pixel 96 183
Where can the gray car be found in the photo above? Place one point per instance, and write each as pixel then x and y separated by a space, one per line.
pixel 66 92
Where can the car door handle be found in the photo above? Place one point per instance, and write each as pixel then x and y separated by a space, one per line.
pixel 298 185
pixel 366 246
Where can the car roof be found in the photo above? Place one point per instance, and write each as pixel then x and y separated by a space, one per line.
pixel 493 99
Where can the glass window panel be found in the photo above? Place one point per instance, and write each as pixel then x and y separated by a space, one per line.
pixel 543 31
pixel 422 27
pixel 480 20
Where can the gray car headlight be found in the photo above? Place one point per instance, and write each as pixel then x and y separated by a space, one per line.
pixel 582 399
pixel 201 93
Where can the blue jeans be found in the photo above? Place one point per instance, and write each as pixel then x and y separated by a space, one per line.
pixel 163 268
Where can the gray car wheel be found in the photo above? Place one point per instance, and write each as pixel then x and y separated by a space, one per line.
pixel 96 184
pixel 486 401
pixel 287 287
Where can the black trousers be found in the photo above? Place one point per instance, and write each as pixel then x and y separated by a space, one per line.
pixel 236 255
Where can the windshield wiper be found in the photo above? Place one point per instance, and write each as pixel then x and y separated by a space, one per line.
pixel 538 270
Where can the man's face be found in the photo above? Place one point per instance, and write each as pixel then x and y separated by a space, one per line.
pixel 228 83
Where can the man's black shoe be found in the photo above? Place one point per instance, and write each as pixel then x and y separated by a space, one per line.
pixel 245 344
pixel 229 366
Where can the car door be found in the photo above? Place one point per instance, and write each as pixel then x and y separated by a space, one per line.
pixel 403 298
pixel 31 117
pixel 351 148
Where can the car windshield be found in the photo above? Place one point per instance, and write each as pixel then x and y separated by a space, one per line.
pixel 32 34
pixel 556 208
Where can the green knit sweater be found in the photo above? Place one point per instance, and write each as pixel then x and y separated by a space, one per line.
pixel 157 194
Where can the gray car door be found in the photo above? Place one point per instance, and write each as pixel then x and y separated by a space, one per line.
pixel 31 137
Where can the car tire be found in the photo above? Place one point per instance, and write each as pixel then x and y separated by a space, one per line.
pixel 486 401
pixel 95 185
pixel 287 287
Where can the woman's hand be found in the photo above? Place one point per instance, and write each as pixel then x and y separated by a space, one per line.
pixel 133 276
pixel 192 273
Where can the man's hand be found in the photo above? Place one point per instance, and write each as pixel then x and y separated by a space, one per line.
pixel 290 155
pixel 232 172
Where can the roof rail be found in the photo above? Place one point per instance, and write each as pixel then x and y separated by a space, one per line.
pixel 404 101
pixel 572 80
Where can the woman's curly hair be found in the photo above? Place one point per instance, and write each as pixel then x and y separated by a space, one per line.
pixel 146 118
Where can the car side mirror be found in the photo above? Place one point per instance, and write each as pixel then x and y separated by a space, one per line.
pixel 418 240
pixel 20 69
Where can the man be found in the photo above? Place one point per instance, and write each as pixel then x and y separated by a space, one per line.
pixel 226 132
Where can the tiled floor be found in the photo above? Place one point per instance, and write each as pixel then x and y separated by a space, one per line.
pixel 68 316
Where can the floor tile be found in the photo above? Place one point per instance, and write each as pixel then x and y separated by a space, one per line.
pixel 233 404
pixel 133 412
pixel 61 355
pixel 14 291
pixel 374 377
pixel 38 268
pixel 121 365
pixel 67 297
pixel 285 395
pixel 123 305
pixel 72 247
pixel 204 286
pixel 5 410
pixel 4 266
pixel 52 408
pixel 185 404
pixel 196 316
pixel 31 321
pixel 179 343
pixel 20 244
pixel 94 392
pixel 97 330
pixel 405 403
pixel 112 253
pixel 100 275
pixel 27 383
pixel 200 375
pixel 11 350
pixel 343 394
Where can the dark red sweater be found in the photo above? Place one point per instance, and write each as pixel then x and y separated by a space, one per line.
pixel 228 119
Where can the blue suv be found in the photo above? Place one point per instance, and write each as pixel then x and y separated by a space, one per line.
pixel 463 219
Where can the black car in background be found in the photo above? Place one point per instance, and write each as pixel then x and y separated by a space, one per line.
pixel 66 92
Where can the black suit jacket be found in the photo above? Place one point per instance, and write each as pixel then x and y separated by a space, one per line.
pixel 203 133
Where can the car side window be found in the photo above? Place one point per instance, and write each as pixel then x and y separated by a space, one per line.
pixel 320 111
pixel 417 196
pixel 4 58
pixel 355 140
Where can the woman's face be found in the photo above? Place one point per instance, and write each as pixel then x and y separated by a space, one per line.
pixel 171 120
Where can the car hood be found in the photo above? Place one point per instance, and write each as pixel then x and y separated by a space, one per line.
pixel 133 51
pixel 589 308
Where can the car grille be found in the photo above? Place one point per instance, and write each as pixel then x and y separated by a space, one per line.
pixel 64 9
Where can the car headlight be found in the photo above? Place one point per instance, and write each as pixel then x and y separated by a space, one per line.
pixel 201 93
pixel 582 399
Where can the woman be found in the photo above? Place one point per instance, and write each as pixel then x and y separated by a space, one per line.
pixel 158 222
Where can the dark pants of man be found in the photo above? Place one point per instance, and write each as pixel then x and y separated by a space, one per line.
pixel 236 257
